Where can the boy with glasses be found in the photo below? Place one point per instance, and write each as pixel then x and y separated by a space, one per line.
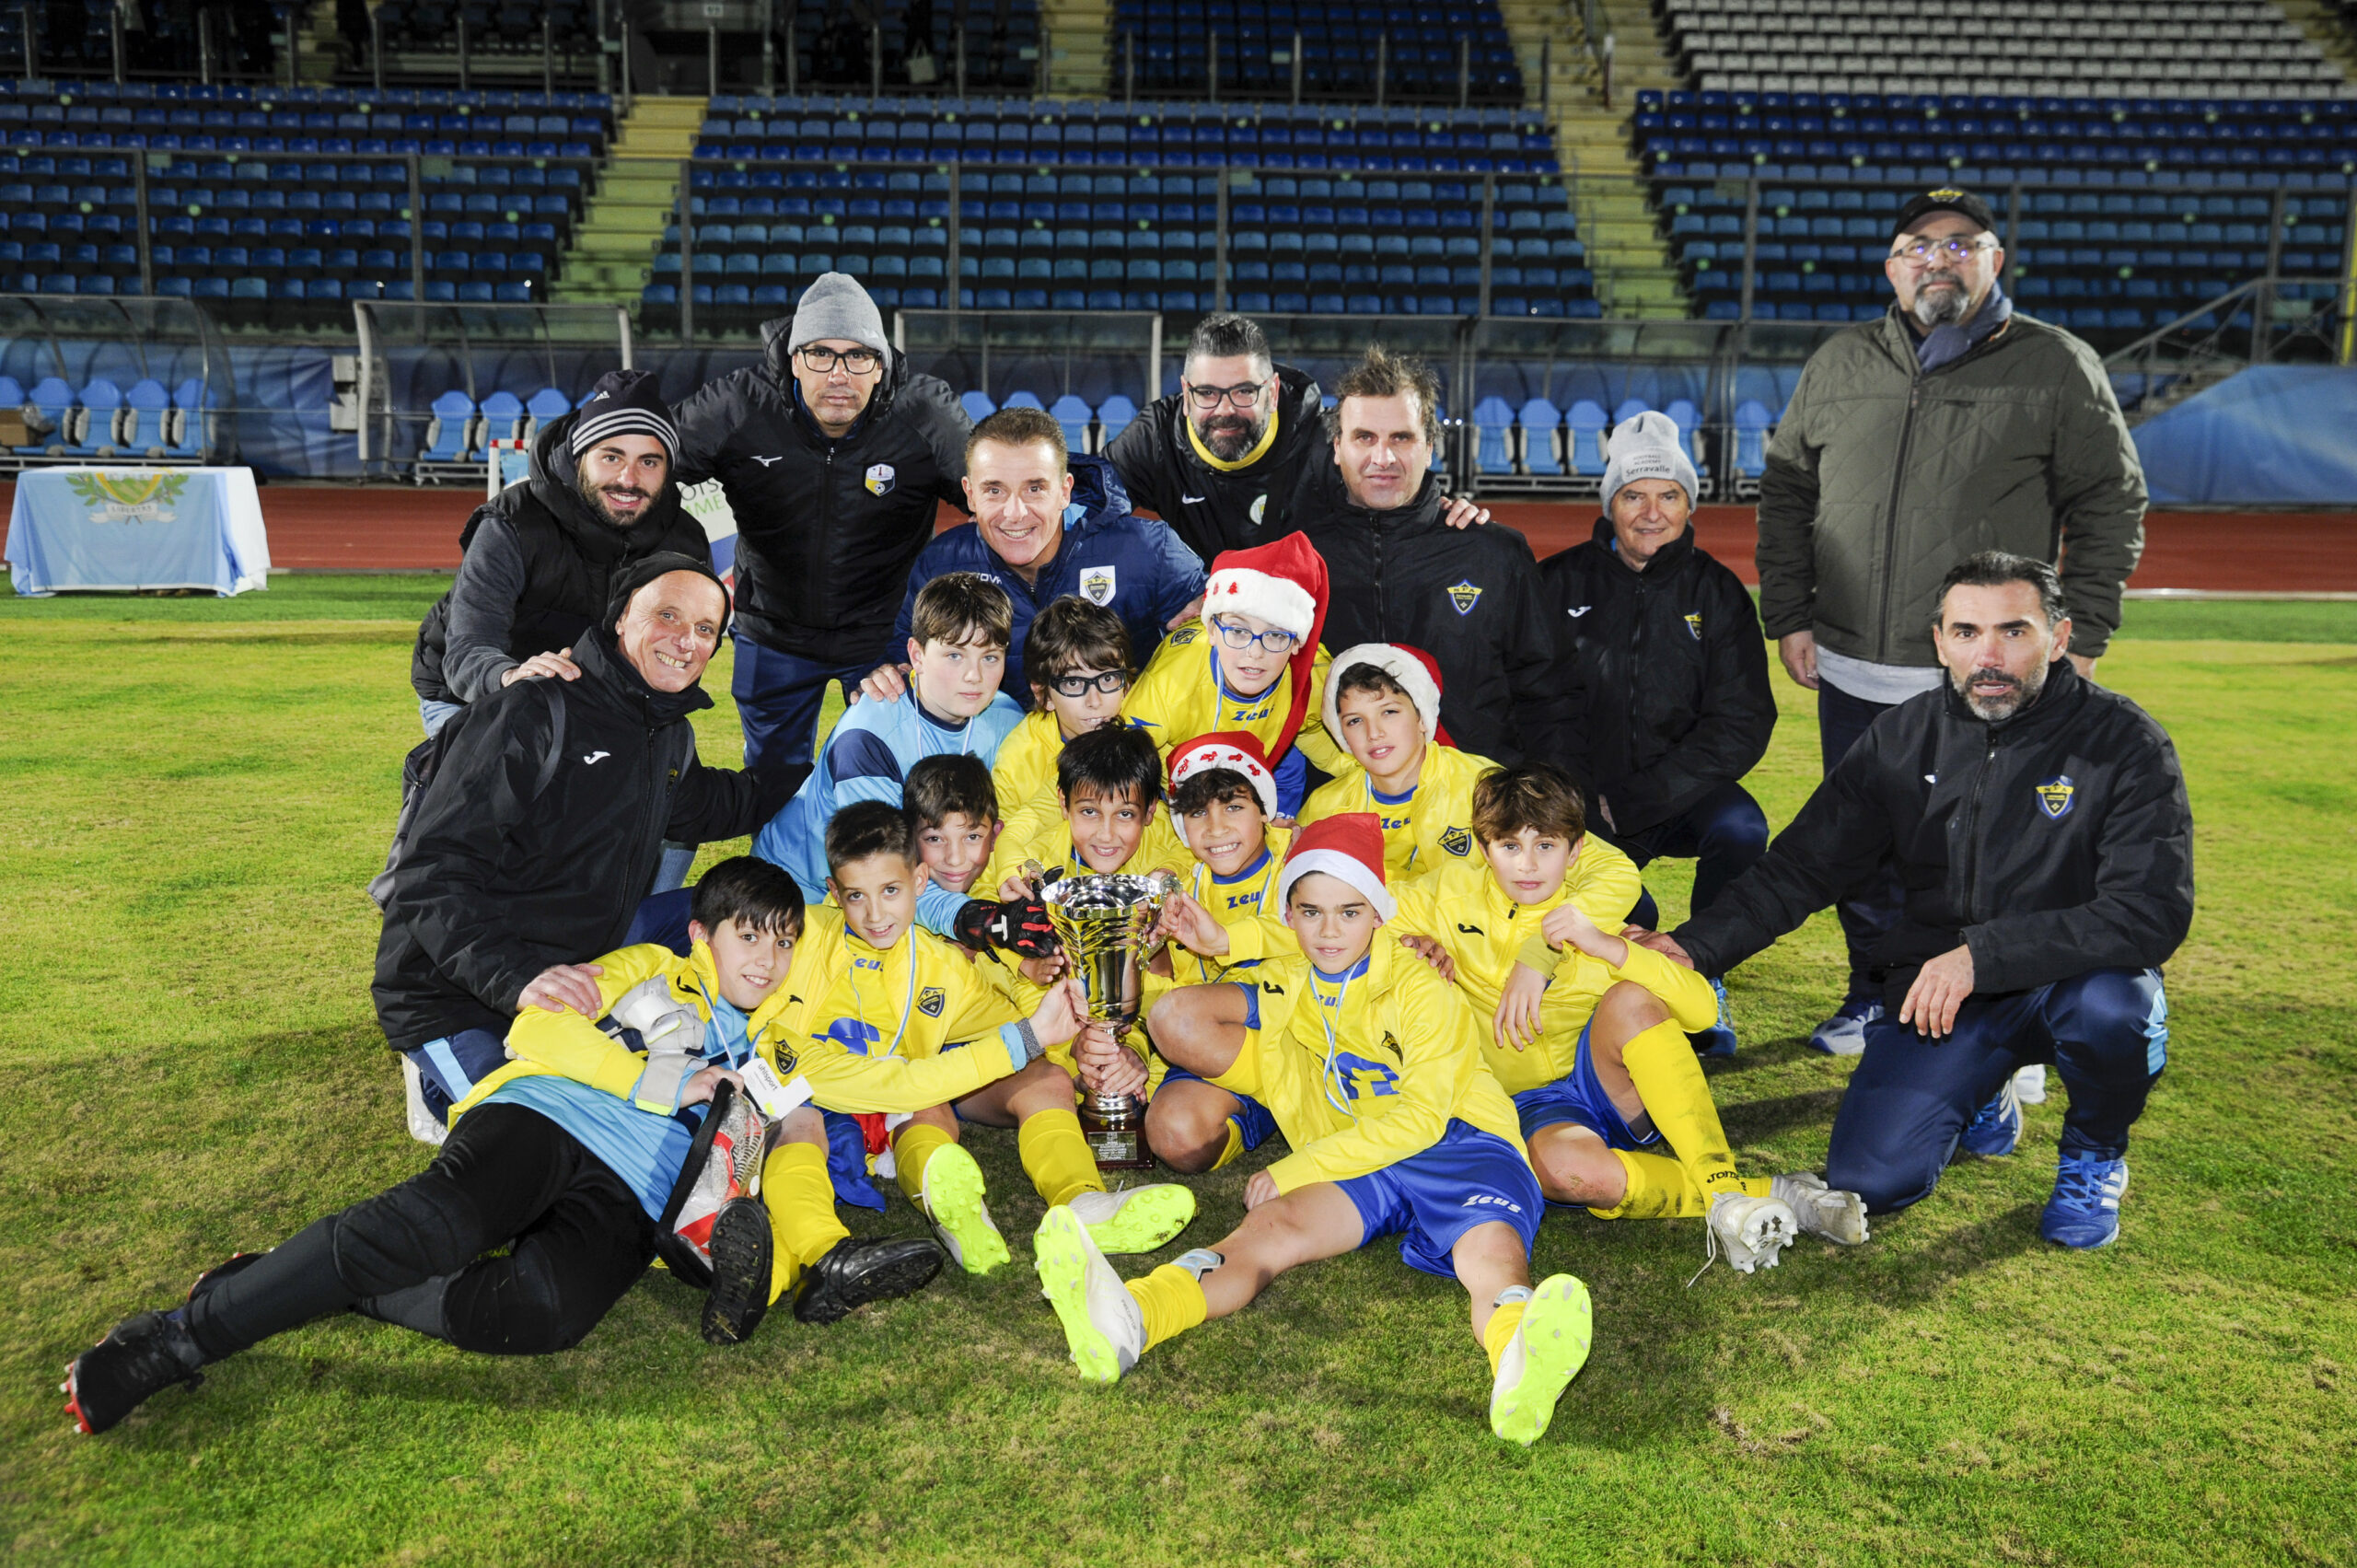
pixel 1079 665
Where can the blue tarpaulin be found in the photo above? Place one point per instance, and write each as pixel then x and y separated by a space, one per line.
pixel 2270 435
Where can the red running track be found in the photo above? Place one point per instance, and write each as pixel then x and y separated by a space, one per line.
pixel 378 527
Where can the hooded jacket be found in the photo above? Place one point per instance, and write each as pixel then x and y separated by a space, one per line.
pixel 1663 674
pixel 497 882
pixel 2055 842
pixel 825 528
pixel 1134 566
pixel 538 561
pixel 1213 508
pixel 1467 597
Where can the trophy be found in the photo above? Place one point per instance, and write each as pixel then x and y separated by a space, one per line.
pixel 1106 925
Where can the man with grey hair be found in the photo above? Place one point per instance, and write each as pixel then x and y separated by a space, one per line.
pixel 1950 425
pixel 834 454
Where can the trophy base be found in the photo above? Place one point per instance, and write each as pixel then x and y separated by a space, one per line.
pixel 1115 1132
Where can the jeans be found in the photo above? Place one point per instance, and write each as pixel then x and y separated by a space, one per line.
pixel 1874 905
pixel 449 1068
pixel 778 699
pixel 433 714
pixel 1911 1097
pixel 1724 831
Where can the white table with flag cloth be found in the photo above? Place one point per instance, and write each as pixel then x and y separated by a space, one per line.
pixel 125 529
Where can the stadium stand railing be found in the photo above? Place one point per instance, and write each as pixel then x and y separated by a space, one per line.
pixel 1452 51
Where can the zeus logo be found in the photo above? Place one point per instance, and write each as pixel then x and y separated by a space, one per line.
pixel 1244 901
pixel 1246 715
pixel 1493 1201
pixel 859 963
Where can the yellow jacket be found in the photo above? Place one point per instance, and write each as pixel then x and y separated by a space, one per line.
pixel 1040 832
pixel 1245 909
pixel 1024 773
pixel 1432 828
pixel 1404 1060
pixel 1179 697
pixel 913 1026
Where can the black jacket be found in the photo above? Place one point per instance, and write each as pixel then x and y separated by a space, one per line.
pixel 2055 844
pixel 538 559
pixel 1214 510
pixel 1467 597
pixel 826 529
pixel 497 885
pixel 1663 675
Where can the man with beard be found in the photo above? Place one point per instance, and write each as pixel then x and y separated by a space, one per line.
pixel 2040 828
pixel 1949 425
pixel 540 554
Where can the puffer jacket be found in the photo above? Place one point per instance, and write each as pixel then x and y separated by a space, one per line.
pixel 1222 508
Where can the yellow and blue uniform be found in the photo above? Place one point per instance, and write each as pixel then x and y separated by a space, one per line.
pixel 1426 828
pixel 1377 1079
pixel 1041 832
pixel 1242 905
pixel 1024 773
pixel 1181 696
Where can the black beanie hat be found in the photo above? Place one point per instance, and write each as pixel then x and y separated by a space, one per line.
pixel 626 583
pixel 624 402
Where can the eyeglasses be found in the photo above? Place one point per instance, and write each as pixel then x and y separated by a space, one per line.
pixel 1276 640
pixel 822 361
pixel 1244 394
pixel 1923 252
pixel 1106 680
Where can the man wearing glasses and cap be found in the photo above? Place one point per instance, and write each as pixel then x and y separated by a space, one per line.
pixel 832 454
pixel 1950 425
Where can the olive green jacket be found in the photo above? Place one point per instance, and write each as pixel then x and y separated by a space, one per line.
pixel 1881 478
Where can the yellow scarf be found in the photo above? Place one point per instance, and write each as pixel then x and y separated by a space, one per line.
pixel 1268 439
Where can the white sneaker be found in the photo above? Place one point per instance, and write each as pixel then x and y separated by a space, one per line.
pixel 2029 1084
pixel 1136 1219
pixel 1549 1347
pixel 1104 1325
pixel 1749 1231
pixel 1837 1216
pixel 952 1192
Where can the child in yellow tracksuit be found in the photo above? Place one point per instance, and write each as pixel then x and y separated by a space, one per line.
pixel 1602 1074
pixel 897 990
pixel 1103 817
pixel 1370 1065
pixel 1076 657
pixel 1383 706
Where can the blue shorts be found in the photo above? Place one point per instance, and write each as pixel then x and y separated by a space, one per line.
pixel 1430 1199
pixel 1251 1117
pixel 1578 1096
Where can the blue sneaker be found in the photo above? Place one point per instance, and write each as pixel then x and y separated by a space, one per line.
pixel 1844 1034
pixel 1719 1038
pixel 2084 1211
pixel 1997 1129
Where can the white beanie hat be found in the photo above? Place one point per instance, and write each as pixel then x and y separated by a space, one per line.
pixel 1648 447
pixel 1414 670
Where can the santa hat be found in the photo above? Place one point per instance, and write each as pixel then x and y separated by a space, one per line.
pixel 1412 668
pixel 1283 582
pixel 1234 750
pixel 1348 848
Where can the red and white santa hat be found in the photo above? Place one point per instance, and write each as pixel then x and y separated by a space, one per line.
pixel 1348 848
pixel 1283 582
pixel 1234 750
pixel 1413 668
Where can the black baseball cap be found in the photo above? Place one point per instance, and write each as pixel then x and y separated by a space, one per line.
pixel 1948 199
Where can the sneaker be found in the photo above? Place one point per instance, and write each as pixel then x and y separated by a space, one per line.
pixel 1104 1325
pixel 1719 1038
pixel 1136 1219
pixel 1549 1347
pixel 1996 1130
pixel 144 1356
pixel 2029 1084
pixel 1829 1211
pixel 2084 1211
pixel 953 1201
pixel 1844 1034
pixel 1749 1231
pixel 861 1269
pixel 238 1263
pixel 742 1249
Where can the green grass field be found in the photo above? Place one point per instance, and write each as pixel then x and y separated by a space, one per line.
pixel 192 793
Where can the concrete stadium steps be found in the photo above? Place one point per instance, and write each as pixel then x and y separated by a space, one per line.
pixel 613 248
pixel 1076 35
pixel 317 44
pixel 2327 29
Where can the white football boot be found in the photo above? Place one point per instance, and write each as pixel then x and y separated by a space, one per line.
pixel 1136 1219
pixel 1837 1216
pixel 1104 1325
pixel 1749 1231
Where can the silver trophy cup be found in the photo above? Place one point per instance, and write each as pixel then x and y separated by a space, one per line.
pixel 1106 925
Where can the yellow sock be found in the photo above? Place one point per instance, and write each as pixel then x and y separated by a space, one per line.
pixel 1498 1332
pixel 915 1145
pixel 1235 1144
pixel 801 1200
pixel 1669 1080
pixel 1172 1300
pixel 1056 1157
pixel 1659 1188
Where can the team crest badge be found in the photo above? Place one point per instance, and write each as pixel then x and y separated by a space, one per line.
pixel 1260 505
pixel 1463 595
pixel 1097 584
pixel 786 1058
pixel 2056 795
pixel 1457 840
pixel 879 479
pixel 929 1001
pixel 1186 634
pixel 1694 624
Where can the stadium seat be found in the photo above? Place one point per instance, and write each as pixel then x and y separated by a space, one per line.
pixel 1073 415
pixel 101 406
pixel 1024 399
pixel 1114 415
pixel 1751 422
pixel 1584 432
pixel 978 405
pixel 542 406
pixel 503 418
pixel 147 418
pixel 1494 422
pixel 450 433
pixel 54 401
pixel 1542 425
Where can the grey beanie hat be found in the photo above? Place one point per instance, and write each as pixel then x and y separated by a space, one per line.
pixel 1648 447
pixel 836 307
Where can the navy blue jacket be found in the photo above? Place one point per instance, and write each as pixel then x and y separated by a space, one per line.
pixel 1135 566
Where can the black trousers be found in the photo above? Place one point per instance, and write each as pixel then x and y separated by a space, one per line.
pixel 575 1237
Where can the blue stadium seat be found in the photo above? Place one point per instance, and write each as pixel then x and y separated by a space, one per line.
pixel 1542 425
pixel 1584 432
pixel 1494 422
pixel 450 435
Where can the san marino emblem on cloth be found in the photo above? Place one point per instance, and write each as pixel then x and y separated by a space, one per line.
pixel 1457 840
pixel 1097 584
pixel 1463 595
pixel 1694 624
pixel 929 1001
pixel 879 480
pixel 2056 795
